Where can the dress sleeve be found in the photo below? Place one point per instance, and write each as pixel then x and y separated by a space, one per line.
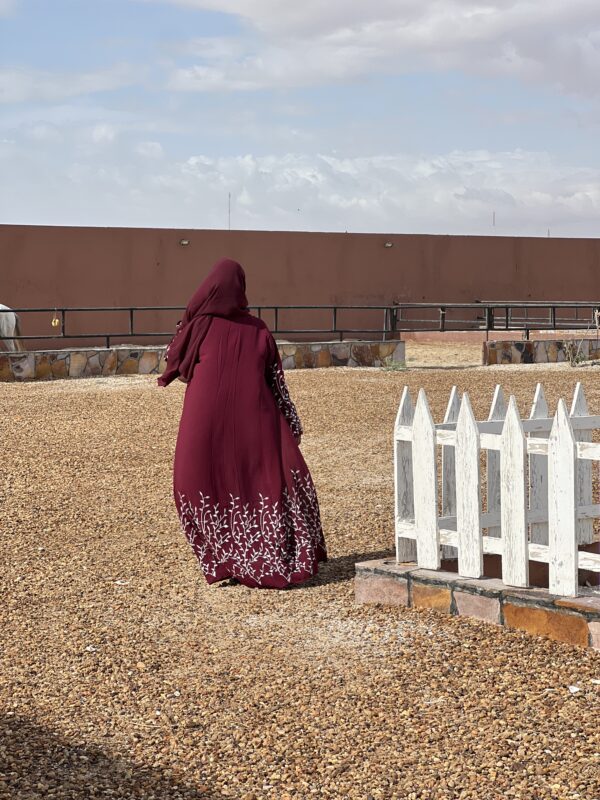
pixel 276 381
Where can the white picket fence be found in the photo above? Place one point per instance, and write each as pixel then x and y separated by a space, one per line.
pixel 539 487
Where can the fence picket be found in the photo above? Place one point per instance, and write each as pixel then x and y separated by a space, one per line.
pixel 497 413
pixel 468 495
pixel 538 472
pixel 425 486
pixel 562 507
pixel 515 562
pixel 585 527
pixel 406 549
pixel 449 470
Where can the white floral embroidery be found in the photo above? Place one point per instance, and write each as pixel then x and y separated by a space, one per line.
pixel 284 401
pixel 271 539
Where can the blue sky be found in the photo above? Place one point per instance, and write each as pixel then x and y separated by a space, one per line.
pixel 387 115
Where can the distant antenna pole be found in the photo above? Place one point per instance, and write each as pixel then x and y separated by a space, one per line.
pixel 548 232
pixel 493 219
pixel 229 211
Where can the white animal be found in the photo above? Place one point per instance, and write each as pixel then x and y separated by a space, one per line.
pixel 9 327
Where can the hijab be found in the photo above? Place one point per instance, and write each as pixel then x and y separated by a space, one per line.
pixel 222 294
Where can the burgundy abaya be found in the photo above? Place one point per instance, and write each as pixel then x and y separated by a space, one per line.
pixel 244 494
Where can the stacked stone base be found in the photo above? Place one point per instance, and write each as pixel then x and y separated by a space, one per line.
pixel 575 620
pixel 550 351
pixel 127 360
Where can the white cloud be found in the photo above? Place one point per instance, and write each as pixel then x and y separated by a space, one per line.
pixel 455 192
pixel 149 149
pixel 103 133
pixel 44 133
pixel 28 85
pixel 301 44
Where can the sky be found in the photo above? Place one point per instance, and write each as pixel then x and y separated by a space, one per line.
pixel 391 116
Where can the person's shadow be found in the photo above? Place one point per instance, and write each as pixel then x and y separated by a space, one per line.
pixel 342 568
pixel 37 763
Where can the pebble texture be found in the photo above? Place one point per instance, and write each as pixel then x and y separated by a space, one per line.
pixel 123 675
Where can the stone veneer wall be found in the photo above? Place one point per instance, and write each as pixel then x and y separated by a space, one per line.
pixel 53 364
pixel 541 351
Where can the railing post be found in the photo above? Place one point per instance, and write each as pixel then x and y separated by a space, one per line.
pixel 393 320
pixel 562 511
pixel 276 319
pixel 131 310
pixel 334 321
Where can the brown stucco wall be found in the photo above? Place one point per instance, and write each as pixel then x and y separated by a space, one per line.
pixel 48 266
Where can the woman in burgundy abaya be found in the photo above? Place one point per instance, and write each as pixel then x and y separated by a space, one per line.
pixel 244 495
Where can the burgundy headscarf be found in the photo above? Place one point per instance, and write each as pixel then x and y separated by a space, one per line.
pixel 222 294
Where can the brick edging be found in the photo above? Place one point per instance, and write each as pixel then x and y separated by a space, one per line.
pixel 573 620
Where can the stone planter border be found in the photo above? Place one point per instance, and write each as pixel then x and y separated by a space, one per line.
pixel 540 351
pixel 575 620
pixel 128 360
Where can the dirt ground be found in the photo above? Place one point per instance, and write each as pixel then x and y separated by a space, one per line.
pixel 438 354
pixel 123 675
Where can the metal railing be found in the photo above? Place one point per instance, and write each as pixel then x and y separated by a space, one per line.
pixel 394 319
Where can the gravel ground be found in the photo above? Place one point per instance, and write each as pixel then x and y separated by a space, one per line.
pixel 123 675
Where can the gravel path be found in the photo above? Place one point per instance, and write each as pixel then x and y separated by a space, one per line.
pixel 123 675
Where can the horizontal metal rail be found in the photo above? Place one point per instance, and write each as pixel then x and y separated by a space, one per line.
pixel 398 318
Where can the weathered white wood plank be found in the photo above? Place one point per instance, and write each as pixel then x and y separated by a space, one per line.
pixel 537 425
pixel 538 474
pixel 537 552
pixel 515 563
pixel 588 451
pixel 589 561
pixel 487 519
pixel 449 469
pixel 468 493
pixel 562 506
pixel 403 433
pixel 425 486
pixel 406 550
pixel 497 414
pixel 529 425
pixel 579 408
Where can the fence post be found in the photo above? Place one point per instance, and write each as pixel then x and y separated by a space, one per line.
pixel 449 470
pixel 468 496
pixel 497 413
pixel 562 507
pixel 406 549
pixel 585 527
pixel 425 493
pixel 515 551
pixel 538 473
